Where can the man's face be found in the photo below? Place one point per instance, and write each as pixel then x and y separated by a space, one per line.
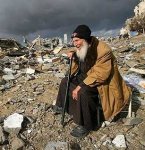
pixel 82 48
pixel 77 42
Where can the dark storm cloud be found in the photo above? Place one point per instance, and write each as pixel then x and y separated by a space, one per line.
pixel 55 17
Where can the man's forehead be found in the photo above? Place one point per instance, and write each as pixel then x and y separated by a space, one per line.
pixel 76 38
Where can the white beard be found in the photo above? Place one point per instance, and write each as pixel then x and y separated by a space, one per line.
pixel 83 51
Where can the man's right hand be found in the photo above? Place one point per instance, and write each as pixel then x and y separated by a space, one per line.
pixel 70 54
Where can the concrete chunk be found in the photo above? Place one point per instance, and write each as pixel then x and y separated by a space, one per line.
pixel 8 77
pixel 119 141
pixel 30 71
pixel 13 123
pixel 133 121
pixel 2 136
pixel 17 143
pixel 57 146
pixel 8 71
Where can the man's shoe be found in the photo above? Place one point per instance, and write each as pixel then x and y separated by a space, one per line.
pixel 57 109
pixel 79 132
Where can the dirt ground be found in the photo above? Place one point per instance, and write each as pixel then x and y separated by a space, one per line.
pixel 46 127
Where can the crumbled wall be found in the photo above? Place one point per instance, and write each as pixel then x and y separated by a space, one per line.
pixel 140 8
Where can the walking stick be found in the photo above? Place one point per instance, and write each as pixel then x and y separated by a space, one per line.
pixel 66 93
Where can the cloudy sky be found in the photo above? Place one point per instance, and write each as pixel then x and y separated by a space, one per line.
pixel 50 18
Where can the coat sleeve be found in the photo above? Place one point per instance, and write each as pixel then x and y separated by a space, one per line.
pixel 100 72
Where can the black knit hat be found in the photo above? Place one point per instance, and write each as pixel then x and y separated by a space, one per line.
pixel 82 31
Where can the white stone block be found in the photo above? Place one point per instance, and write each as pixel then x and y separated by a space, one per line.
pixel 30 71
pixel 119 141
pixel 13 121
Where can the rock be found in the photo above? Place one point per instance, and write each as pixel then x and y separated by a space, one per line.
pixel 13 123
pixel 142 136
pixel 107 141
pixel 2 136
pixel 16 67
pixel 74 146
pixel 57 146
pixel 133 121
pixel 1 119
pixel 46 67
pixel 60 75
pixel 17 144
pixel 8 77
pixel 8 71
pixel 30 77
pixel 30 71
pixel 119 141
pixel 105 124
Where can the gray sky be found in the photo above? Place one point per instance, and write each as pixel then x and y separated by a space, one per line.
pixel 51 18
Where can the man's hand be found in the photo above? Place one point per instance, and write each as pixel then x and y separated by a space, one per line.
pixel 70 54
pixel 75 93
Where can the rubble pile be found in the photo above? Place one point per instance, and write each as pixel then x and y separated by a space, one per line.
pixel 140 8
pixel 28 87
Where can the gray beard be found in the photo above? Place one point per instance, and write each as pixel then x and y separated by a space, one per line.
pixel 81 54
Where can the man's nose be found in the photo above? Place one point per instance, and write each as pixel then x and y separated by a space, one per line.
pixel 75 44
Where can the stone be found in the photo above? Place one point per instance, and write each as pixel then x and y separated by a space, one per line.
pixel 16 67
pixel 119 141
pixel 57 146
pixel 47 60
pixel 17 144
pixel 46 67
pixel 8 71
pixel 133 121
pixel 60 75
pixel 2 136
pixel 30 71
pixel 105 124
pixel 8 77
pixel 13 123
pixel 107 141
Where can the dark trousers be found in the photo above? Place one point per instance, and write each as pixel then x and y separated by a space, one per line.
pixel 83 110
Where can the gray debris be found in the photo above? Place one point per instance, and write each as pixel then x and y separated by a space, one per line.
pixel 2 136
pixel 133 121
pixel 57 146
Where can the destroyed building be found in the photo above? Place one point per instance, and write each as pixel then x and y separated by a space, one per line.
pixel 137 22
pixel 140 8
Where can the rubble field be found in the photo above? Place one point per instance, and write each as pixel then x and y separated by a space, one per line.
pixel 29 81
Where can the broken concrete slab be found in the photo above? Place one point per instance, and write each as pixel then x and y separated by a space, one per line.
pixel 119 141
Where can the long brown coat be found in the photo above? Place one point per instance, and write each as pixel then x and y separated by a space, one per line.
pixel 113 91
